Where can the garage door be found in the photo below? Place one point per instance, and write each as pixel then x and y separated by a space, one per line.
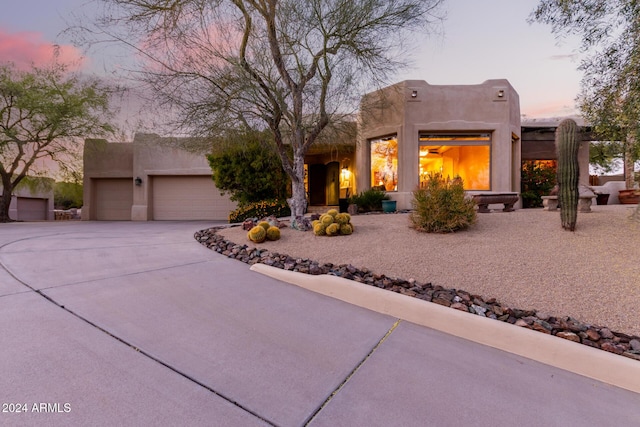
pixel 113 198
pixel 189 198
pixel 32 209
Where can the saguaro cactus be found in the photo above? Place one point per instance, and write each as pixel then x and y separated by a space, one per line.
pixel 567 145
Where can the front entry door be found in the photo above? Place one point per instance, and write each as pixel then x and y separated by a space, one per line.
pixel 317 184
pixel 333 183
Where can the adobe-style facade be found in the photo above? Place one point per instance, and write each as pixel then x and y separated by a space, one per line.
pixel 404 132
pixel 412 128
pixel 149 179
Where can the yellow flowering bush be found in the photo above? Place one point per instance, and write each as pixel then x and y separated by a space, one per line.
pixel 265 208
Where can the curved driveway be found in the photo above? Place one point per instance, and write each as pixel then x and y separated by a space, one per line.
pixel 135 323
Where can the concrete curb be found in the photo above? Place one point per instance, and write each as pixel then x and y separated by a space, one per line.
pixel 593 363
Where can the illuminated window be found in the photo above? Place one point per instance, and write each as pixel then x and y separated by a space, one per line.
pixel 467 156
pixel 384 163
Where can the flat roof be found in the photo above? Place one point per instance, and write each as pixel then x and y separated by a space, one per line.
pixel 551 122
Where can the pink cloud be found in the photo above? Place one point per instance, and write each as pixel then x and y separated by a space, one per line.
pixel 549 109
pixel 26 48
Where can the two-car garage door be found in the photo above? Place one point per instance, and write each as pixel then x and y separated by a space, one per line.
pixel 172 197
pixel 188 198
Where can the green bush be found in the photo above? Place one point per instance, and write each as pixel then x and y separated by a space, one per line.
pixel 537 180
pixel 67 195
pixel 369 200
pixel 246 166
pixel 278 208
pixel 441 206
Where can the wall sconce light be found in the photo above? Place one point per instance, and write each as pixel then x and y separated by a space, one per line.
pixel 138 180
pixel 346 174
pixel 501 93
pixel 414 93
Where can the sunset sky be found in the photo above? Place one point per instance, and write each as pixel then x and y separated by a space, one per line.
pixel 479 40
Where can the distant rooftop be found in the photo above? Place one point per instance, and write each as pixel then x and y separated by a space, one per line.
pixel 551 122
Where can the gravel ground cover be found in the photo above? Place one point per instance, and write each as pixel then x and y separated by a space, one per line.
pixel 523 259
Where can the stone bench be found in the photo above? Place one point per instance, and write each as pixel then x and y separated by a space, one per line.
pixel 484 200
pixel 550 203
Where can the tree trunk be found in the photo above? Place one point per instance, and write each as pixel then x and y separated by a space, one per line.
pixel 298 200
pixel 5 201
pixel 629 163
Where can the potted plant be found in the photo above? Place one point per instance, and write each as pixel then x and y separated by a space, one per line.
pixel 601 198
pixel 388 206
pixel 629 196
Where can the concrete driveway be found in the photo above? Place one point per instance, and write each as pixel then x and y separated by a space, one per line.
pixel 135 323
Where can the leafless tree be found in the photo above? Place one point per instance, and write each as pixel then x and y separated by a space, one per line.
pixel 292 66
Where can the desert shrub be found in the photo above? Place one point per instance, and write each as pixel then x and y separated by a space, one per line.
pixel 369 200
pixel 441 206
pixel 277 208
pixel 537 180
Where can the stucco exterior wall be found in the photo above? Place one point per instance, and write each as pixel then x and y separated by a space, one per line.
pixel 154 155
pixel 414 106
pixel 148 156
pixel 103 159
pixel 44 192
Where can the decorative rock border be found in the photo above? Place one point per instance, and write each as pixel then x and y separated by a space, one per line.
pixel 564 327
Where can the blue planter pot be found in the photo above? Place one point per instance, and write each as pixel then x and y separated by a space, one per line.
pixel 388 206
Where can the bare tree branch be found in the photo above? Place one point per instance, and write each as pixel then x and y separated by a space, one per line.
pixel 291 66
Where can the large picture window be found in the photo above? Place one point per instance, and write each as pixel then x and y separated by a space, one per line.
pixel 467 156
pixel 384 163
